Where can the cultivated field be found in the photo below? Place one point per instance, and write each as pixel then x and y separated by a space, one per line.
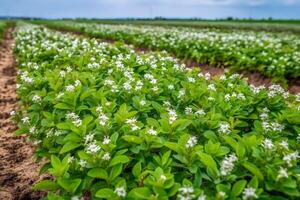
pixel 148 112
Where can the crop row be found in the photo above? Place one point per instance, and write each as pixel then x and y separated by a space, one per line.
pixel 2 29
pixel 275 55
pixel 114 124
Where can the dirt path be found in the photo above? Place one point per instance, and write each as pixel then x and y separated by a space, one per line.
pixel 18 171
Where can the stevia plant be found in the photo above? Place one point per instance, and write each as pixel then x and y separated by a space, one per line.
pixel 114 124
pixel 273 54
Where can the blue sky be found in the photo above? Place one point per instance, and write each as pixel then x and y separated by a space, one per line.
pixel 286 9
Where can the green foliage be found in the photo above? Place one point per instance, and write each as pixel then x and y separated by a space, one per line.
pixel 119 125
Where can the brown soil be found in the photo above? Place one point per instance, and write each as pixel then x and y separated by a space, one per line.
pixel 18 171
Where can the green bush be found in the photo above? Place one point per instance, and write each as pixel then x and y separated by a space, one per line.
pixel 114 124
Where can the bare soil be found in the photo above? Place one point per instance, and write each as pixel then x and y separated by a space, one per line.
pixel 18 170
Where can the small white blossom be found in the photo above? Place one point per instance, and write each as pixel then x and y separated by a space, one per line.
pixel 82 163
pixel 188 110
pixel 92 148
pixel 290 158
pixel 106 156
pixel 284 144
pixel 70 159
pixel 151 131
pixel 70 88
pixel 200 112
pixel 227 164
pixel 120 191
pixel 142 102
pixel 106 140
pixel 249 193
pixel 25 120
pixel 192 141
pixel 224 128
pixel 282 173
pixel 268 144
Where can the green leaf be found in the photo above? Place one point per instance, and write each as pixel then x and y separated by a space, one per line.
pixel 55 162
pixel 136 170
pixel 238 188
pixel 46 185
pixel 119 159
pixel 70 185
pixel 254 182
pixel 140 193
pixel 115 171
pixel 105 193
pixel 98 173
pixel 207 160
pixel 63 106
pixel 68 147
pixel 132 139
pixel 254 170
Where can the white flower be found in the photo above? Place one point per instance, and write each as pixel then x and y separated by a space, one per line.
pixel 192 141
pixel 284 144
pixel 211 87
pixel 191 80
pixel 89 138
pixel 77 83
pixel 132 122
pixel 200 112
pixel 32 130
pixel 210 99
pixel 202 196
pixel 290 158
pixel 181 93
pixel 227 164
pixel 186 193
pixel 142 102
pixel 282 173
pixel 139 85
pixel 207 76
pixel 127 86
pixel 106 156
pixel 277 127
pixel 120 191
pixel 298 138
pixel 151 131
pixel 70 159
pixel 82 163
pixel 163 177
pixel 155 89
pixel 70 88
pixel 36 98
pixel 249 193
pixel 25 120
pixel 224 128
pixel 268 144
pixel 69 69
pixel 223 78
pixel 93 148
pixel 12 113
pixel 103 119
pixel 172 115
pixel 77 198
pixel 62 74
pixel 171 87
pixel 106 140
pixel 188 110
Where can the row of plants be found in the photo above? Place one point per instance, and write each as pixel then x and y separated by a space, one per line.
pixel 2 29
pixel 276 55
pixel 114 124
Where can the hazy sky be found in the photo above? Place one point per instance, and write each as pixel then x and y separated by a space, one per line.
pixel 150 8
